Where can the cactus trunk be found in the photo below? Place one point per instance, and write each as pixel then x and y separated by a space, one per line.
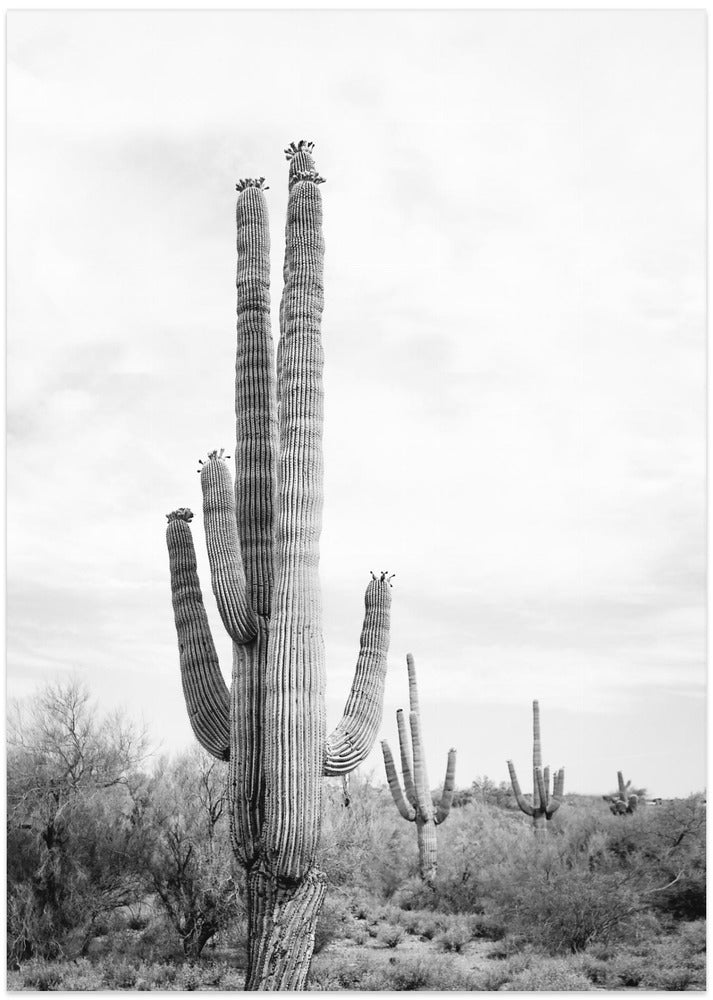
pixel 263 548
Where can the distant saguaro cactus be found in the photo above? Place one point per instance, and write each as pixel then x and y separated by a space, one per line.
pixel 263 548
pixel 544 804
pixel 622 802
pixel 417 805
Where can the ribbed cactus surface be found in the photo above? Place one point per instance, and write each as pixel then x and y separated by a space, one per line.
pixel 262 535
pixel 414 801
pixel 546 800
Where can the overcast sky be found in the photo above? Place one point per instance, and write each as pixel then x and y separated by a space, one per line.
pixel 515 357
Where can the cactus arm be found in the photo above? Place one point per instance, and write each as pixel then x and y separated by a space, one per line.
pixel 226 564
pixel 406 757
pixel 205 691
pixel 352 740
pixel 406 810
pixel 420 778
pixel 412 686
pixel 521 801
pixel 540 785
pixel 546 779
pixel 557 793
pixel 255 397
pixel 294 736
pixel 559 784
pixel 444 806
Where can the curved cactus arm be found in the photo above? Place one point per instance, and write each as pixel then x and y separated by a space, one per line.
pixel 540 785
pixel 255 398
pixel 205 691
pixel 444 805
pixel 352 740
pixel 521 801
pixel 420 778
pixel 546 780
pixel 406 810
pixel 226 564
pixel 406 757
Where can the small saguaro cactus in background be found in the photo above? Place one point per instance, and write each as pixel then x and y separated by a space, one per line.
pixel 623 801
pixel 263 548
pixel 544 803
pixel 417 805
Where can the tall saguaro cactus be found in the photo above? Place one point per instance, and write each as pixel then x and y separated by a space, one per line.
pixel 623 802
pixel 417 806
pixel 544 803
pixel 262 537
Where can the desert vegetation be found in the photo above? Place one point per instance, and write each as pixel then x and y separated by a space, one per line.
pixel 121 876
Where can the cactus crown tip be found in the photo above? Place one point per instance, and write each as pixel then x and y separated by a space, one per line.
pixel 308 175
pixel 181 514
pixel 303 146
pixel 248 182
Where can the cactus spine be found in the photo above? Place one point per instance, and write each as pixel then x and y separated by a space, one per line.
pixel 416 805
pixel 622 803
pixel 544 803
pixel 262 537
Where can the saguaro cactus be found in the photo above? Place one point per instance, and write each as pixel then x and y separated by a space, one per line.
pixel 622 802
pixel 263 547
pixel 417 806
pixel 544 803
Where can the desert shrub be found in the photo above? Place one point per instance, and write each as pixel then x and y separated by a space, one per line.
pixel 434 974
pixel 548 974
pixel 676 978
pixel 414 894
pixel 164 975
pixel 334 922
pixel 348 975
pixel 80 974
pixel 595 969
pixel 188 979
pixel 121 975
pixel 390 935
pixel 41 976
pixel 487 927
pixel 430 925
pixel 494 978
pixel 455 937
pixel 560 897
pixel 626 971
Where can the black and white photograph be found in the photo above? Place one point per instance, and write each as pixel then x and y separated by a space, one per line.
pixel 356 508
